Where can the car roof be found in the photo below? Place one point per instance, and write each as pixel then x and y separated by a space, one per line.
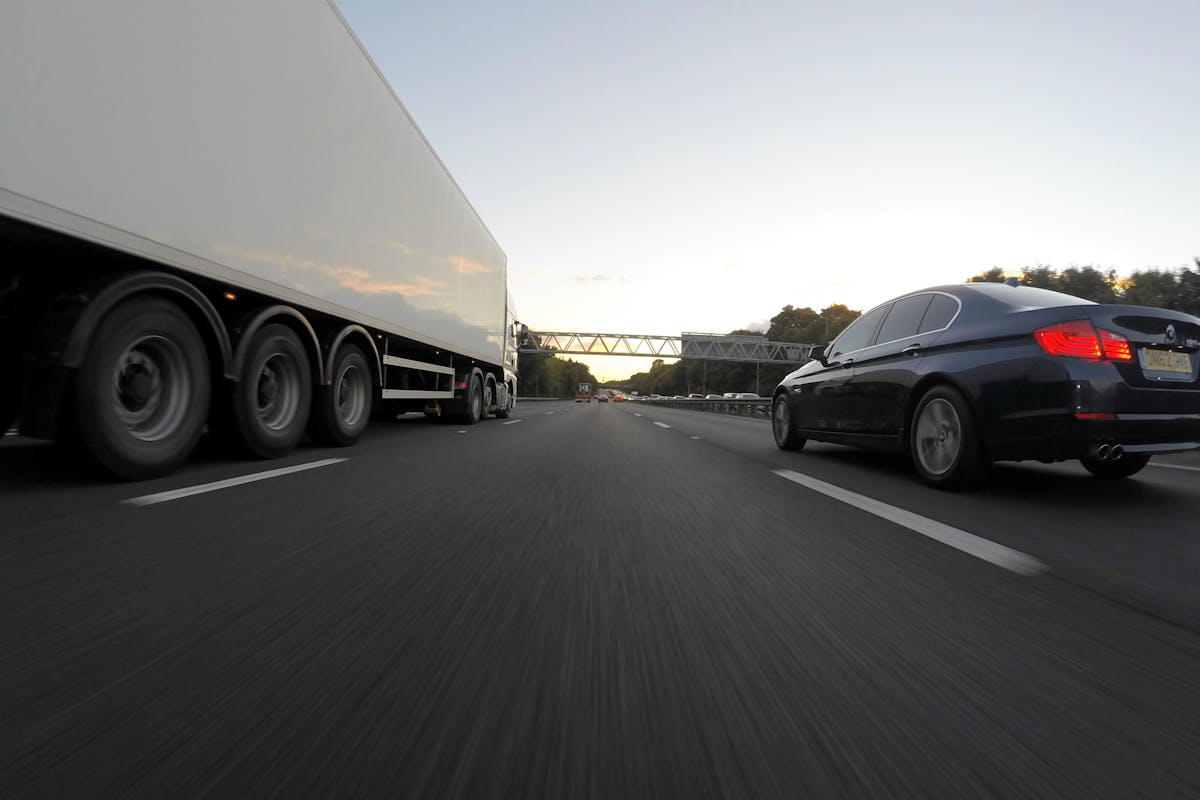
pixel 1012 298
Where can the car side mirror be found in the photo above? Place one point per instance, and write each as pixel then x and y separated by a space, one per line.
pixel 823 356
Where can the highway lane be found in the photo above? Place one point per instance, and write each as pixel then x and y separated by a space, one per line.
pixel 1135 541
pixel 581 604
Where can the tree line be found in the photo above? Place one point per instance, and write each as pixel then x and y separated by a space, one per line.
pixel 547 375
pixel 1177 289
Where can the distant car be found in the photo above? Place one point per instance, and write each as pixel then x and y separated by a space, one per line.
pixel 602 398
pixel 745 396
pixel 713 397
pixel 960 376
pixel 695 396
pixel 679 397
pixel 619 398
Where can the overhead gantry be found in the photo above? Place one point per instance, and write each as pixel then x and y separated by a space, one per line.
pixel 700 346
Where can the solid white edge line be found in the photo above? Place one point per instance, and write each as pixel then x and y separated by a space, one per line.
pixel 1174 466
pixel 662 425
pixel 514 421
pixel 175 494
pixel 998 554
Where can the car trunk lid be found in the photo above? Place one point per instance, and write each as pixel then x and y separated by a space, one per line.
pixel 1164 345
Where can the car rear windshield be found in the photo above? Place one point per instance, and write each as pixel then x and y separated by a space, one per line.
pixel 1024 297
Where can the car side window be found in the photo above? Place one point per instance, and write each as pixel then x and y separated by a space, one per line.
pixel 939 314
pixel 904 319
pixel 860 333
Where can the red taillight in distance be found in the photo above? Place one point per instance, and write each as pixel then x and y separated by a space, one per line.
pixel 1080 339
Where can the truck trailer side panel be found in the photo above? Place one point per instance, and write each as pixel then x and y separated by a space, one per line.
pixel 252 143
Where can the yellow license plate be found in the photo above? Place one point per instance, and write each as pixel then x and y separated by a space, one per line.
pixel 1166 361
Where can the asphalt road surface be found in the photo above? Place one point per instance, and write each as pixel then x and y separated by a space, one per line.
pixel 596 600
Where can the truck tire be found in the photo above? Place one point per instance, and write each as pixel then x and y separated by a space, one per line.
pixel 342 410
pixel 272 399
pixel 141 397
pixel 502 413
pixel 474 411
pixel 489 399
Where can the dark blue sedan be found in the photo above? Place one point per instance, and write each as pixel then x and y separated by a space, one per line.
pixel 961 376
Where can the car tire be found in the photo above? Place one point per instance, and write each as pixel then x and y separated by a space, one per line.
pixel 1121 468
pixel 782 426
pixel 944 440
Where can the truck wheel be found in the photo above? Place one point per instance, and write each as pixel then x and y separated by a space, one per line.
pixel 273 397
pixel 342 410
pixel 474 401
pixel 142 394
pixel 502 413
pixel 944 443
pixel 489 399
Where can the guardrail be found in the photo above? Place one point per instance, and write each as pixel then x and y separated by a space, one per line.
pixel 760 408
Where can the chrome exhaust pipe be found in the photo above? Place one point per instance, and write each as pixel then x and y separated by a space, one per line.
pixel 1102 452
pixel 1115 452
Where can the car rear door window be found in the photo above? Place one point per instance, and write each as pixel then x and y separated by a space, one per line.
pixel 860 334
pixel 939 314
pixel 904 319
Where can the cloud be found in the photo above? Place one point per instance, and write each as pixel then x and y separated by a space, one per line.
pixel 468 267
pixel 348 277
pixel 360 280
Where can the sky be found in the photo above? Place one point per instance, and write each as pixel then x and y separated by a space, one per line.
pixel 659 167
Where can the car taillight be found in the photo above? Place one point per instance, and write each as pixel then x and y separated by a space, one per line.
pixel 1116 346
pixel 1080 339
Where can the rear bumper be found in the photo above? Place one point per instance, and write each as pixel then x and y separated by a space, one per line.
pixel 1064 436
pixel 1062 408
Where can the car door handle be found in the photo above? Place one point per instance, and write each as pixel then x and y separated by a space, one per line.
pixel 912 350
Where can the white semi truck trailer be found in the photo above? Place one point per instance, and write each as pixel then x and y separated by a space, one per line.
pixel 218 214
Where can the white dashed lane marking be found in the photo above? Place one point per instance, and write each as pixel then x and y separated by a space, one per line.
pixel 175 494
pixel 662 425
pixel 998 554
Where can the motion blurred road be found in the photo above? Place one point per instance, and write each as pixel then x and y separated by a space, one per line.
pixel 596 600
